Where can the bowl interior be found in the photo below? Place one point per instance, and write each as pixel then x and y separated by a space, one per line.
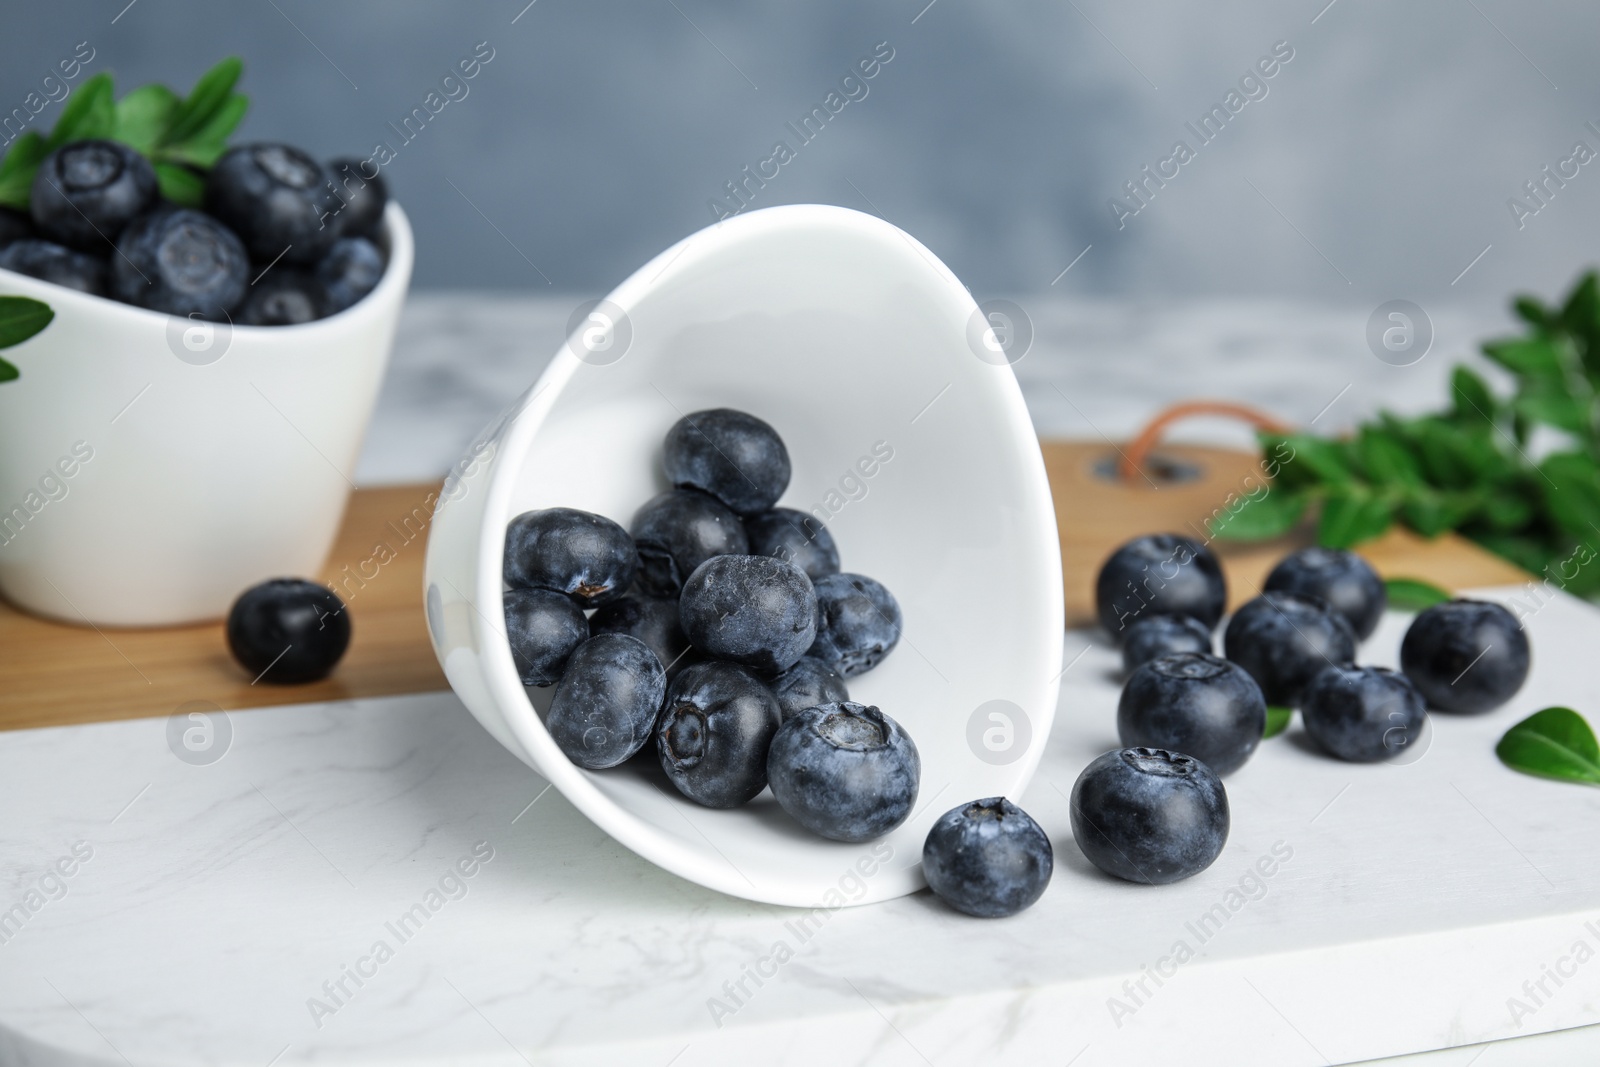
pixel 853 341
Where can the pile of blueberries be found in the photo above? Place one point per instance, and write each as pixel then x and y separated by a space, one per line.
pixel 283 239
pixel 1156 811
pixel 718 630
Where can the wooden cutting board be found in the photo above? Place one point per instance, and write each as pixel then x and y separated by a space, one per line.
pixel 56 674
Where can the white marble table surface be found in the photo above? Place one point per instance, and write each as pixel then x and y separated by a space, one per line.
pixel 231 914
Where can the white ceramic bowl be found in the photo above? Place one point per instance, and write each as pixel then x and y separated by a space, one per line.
pixel 853 340
pixel 152 468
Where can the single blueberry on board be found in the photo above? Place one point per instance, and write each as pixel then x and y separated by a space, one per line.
pixel 85 193
pixel 808 683
pixel 1155 636
pixel 734 456
pixel 845 771
pixel 586 556
pixel 56 264
pixel 1196 704
pixel 1362 714
pixel 543 627
pixel 1466 656
pixel 1159 574
pixel 858 623
pixel 754 610
pixel 1284 639
pixel 180 262
pixel 987 858
pixel 653 620
pixel 287 631
pixel 280 201
pixel 1148 815
pixel 607 701
pixel 714 733
pixel 795 536
pixel 1343 579
pixel 352 268
pixel 679 530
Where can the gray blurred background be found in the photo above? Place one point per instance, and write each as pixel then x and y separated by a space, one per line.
pixel 1378 164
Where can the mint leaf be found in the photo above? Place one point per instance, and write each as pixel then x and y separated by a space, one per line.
pixel 207 97
pixel 144 116
pixel 180 184
pixel 1553 743
pixel 1277 721
pixel 1413 594
pixel 16 173
pixel 20 318
pixel 89 113
pixel 1473 401
pixel 208 143
pixel 8 372
pixel 1257 519
pixel 1350 515
pixel 1385 458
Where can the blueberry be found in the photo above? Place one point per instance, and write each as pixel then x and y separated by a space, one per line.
pixel 1345 580
pixel 279 200
pixel 714 734
pixel 543 627
pixel 988 858
pixel 653 620
pixel 87 192
pixel 350 270
pixel 14 226
pixel 284 297
pixel 586 556
pixel 182 263
pixel 1154 636
pixel 808 683
pixel 1148 815
pixel 1362 713
pixel 754 610
pixel 55 264
pixel 607 701
pixel 1196 704
pixel 1465 655
pixel 858 623
pixel 679 530
pixel 1166 574
pixel 1283 640
pixel 845 771
pixel 363 198
pixel 735 457
pixel 288 631
pixel 795 536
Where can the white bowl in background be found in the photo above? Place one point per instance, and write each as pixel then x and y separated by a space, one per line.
pixel 854 341
pixel 202 458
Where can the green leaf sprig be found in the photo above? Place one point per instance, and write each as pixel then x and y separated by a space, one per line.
pixel 1277 720
pixel 1553 743
pixel 1413 594
pixel 1466 467
pixel 20 318
pixel 181 136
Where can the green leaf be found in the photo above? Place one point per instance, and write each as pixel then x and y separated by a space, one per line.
pixel 1473 400
pixel 1531 311
pixel 1277 721
pixel 1386 459
pixel 1351 515
pixel 144 116
pixel 1262 517
pixel 1571 488
pixel 1581 313
pixel 1538 357
pixel 20 318
pixel 180 184
pixel 1413 594
pixel 207 145
pixel 16 173
pixel 1553 743
pixel 89 113
pixel 207 97
pixel 8 372
pixel 1554 407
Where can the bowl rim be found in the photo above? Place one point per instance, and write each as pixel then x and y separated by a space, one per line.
pixel 396 275
pixel 529 414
